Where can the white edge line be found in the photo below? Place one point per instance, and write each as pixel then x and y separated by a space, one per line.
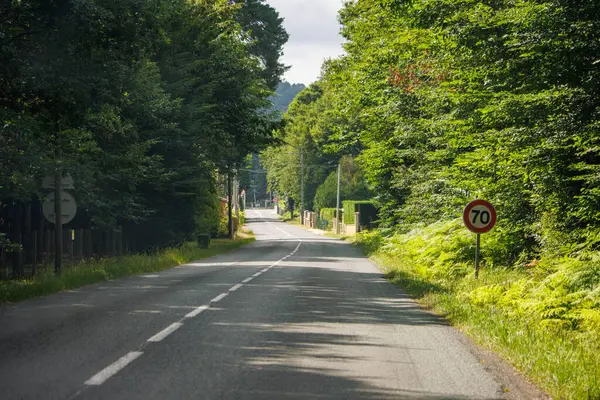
pixel 165 332
pixel 256 274
pixel 236 287
pixel 247 280
pixel 219 298
pixel 112 369
pixel 195 312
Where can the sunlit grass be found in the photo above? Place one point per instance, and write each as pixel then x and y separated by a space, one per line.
pixel 86 273
pixel 347 238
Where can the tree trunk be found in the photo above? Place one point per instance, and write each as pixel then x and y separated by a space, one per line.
pixel 229 210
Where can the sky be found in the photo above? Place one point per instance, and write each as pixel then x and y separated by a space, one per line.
pixel 314 36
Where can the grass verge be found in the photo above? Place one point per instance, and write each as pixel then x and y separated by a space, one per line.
pixel 104 269
pixel 500 311
pixel 330 234
pixel 347 238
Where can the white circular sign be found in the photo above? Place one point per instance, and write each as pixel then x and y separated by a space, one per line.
pixel 68 207
pixel 479 216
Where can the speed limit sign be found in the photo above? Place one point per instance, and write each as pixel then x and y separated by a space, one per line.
pixel 479 216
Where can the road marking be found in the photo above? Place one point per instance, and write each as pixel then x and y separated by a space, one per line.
pixel 275 226
pixel 112 369
pixel 122 362
pixel 165 332
pixel 195 312
pixel 236 287
pixel 219 298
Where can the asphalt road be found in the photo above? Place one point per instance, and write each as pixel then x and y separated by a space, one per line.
pixel 293 316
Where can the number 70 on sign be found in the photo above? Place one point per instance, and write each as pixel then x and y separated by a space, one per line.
pixel 479 216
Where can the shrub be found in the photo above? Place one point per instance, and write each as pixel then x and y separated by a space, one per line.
pixel 365 207
pixel 327 214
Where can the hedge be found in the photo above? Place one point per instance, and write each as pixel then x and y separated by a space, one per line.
pixel 327 214
pixel 365 207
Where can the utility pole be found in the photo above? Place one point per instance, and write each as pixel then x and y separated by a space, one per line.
pixel 337 208
pixel 302 185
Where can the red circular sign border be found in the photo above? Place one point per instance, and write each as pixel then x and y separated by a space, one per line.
pixel 467 211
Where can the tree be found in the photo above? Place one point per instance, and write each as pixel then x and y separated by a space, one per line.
pixel 285 94
pixel 442 102
pixel 142 102
pixel 352 185
pixel 299 150
pixel 262 24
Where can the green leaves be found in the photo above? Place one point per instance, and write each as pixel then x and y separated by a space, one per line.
pixel 141 101
pixel 444 101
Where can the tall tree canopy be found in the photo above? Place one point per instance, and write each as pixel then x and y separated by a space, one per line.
pixel 141 101
pixel 285 94
pixel 446 101
pixel 299 155
pixel 262 24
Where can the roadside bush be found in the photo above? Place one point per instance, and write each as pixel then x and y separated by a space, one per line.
pixel 327 214
pixel 352 206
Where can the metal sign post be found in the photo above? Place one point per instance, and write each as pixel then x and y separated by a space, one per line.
pixel 477 244
pixel 57 223
pixel 479 217
pixel 59 208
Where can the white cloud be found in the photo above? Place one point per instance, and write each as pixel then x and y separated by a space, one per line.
pixel 314 36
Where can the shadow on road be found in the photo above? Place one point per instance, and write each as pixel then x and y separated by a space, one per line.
pixel 315 332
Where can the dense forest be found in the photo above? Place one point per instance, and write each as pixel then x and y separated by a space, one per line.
pixel 301 167
pixel 285 94
pixel 444 101
pixel 140 102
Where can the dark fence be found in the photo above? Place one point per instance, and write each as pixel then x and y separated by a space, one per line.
pixel 31 239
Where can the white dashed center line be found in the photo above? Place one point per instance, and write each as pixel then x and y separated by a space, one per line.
pixel 219 298
pixel 112 369
pixel 122 362
pixel 197 311
pixel 236 287
pixel 165 332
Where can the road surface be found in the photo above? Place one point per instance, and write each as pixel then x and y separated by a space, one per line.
pixel 295 315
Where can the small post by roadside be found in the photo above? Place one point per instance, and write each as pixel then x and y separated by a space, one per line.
pixel 229 206
pixel 337 208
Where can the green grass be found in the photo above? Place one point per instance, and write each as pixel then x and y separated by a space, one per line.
pixel 101 270
pixel 294 221
pixel 531 317
pixel 347 238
